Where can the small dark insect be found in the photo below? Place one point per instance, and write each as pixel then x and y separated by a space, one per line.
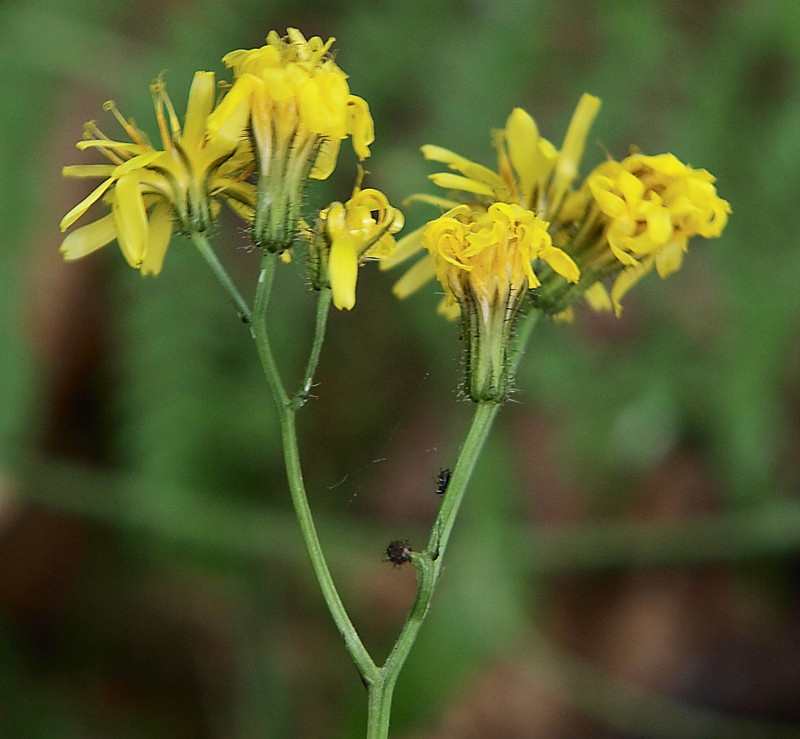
pixel 443 480
pixel 399 552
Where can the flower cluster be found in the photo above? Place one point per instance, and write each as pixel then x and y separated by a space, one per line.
pixel 280 122
pixel 624 219
pixel 526 235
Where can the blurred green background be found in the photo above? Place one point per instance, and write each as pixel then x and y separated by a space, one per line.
pixel 627 559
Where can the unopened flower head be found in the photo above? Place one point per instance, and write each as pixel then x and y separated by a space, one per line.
pixel 483 258
pixel 301 109
pixel 152 191
pixel 348 234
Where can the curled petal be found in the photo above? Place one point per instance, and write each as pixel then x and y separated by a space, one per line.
pixel 360 126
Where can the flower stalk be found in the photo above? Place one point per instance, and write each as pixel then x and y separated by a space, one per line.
pixel 286 418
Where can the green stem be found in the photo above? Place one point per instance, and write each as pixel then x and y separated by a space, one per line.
pixel 201 242
pixel 286 416
pixel 323 308
pixel 429 563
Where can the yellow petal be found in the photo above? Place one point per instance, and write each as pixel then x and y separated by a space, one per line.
pixel 670 257
pixel 598 298
pixel 450 181
pixel 122 146
pixel 625 281
pixel 88 238
pixel 409 245
pixel 130 218
pixel 471 170
pixel 343 272
pixel 566 169
pixel 448 308
pixel 360 126
pixel 325 162
pixel 610 203
pixel 199 106
pixel 279 83
pixel 76 212
pixel 223 120
pixel 659 224
pixel 522 138
pixel 423 271
pixel 159 234
pixel 442 203
pixel 142 161
pixel 562 263
pixel 323 104
pixel 88 170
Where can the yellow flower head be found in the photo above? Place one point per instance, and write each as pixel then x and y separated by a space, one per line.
pixel 652 206
pixel 486 256
pixel 300 101
pixel 484 260
pixel 531 173
pixel 300 110
pixel 151 191
pixel 349 234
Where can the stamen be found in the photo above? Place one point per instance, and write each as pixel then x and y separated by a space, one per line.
pixel 92 133
pixel 127 125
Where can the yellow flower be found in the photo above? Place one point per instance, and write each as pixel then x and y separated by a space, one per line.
pixel 531 173
pixel 651 206
pixel 486 256
pixel 530 170
pixel 301 109
pixel 483 258
pixel 347 235
pixel 153 191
